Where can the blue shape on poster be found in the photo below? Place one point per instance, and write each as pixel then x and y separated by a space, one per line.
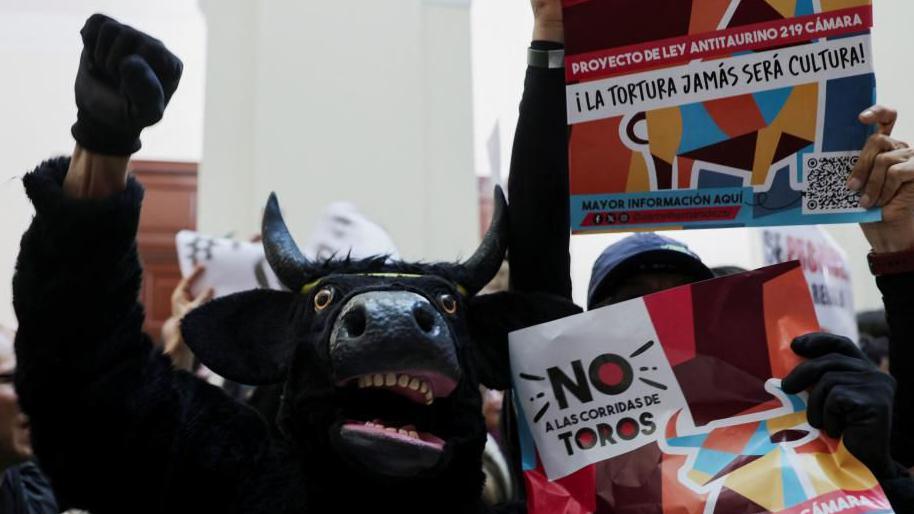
pixel 801 155
pixel 708 179
pixel 804 8
pixel 781 197
pixel 790 483
pixel 771 102
pixel 713 462
pixel 846 99
pixel 760 442
pixel 698 128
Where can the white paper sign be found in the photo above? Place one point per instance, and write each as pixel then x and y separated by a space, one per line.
pixel 826 269
pixel 593 386
pixel 234 266
pixel 231 266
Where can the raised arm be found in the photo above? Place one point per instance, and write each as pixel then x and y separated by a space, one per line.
pixel 115 428
pixel 538 185
pixel 885 174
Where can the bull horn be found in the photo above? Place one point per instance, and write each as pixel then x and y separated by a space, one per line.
pixel 287 261
pixel 484 264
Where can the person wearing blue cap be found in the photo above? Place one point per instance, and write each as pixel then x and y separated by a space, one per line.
pixel 642 264
pixel 647 263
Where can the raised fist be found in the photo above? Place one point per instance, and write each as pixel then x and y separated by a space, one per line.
pixel 547 20
pixel 125 80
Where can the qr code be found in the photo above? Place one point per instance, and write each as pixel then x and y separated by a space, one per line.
pixel 826 183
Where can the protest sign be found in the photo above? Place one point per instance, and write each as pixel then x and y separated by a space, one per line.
pixel 230 266
pixel 672 403
pixel 826 269
pixel 701 114
pixel 233 266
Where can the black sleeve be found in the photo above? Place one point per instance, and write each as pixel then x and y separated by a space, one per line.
pixel 112 423
pixel 24 490
pixel 900 491
pixel 898 297
pixel 538 186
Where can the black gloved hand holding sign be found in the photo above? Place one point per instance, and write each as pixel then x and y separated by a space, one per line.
pixel 849 397
pixel 125 80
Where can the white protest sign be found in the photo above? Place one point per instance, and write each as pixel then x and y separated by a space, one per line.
pixel 234 266
pixel 230 266
pixel 826 270
pixel 588 393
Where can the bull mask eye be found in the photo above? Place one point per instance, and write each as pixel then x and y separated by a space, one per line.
pixel 323 299
pixel 448 303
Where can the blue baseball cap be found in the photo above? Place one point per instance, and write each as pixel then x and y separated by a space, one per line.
pixel 642 252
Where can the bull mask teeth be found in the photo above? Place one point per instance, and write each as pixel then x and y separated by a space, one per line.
pixel 402 431
pixel 399 380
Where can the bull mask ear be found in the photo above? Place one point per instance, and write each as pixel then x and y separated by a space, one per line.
pixel 243 337
pixel 492 317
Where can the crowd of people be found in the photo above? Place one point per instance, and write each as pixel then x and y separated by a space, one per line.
pixel 173 444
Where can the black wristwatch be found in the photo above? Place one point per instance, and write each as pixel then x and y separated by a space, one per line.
pixel 550 59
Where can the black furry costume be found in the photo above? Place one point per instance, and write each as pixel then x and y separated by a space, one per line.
pixel 118 430
pixel 380 362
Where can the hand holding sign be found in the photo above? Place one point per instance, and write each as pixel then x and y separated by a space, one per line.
pixel 849 397
pixel 885 175
pixel 183 301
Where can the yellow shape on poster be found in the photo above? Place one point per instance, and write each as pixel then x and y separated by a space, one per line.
pixel 638 178
pixel 835 5
pixel 785 422
pixel 664 128
pixel 842 470
pixel 786 8
pixel 797 118
pixel 809 465
pixel 699 477
pixel 758 483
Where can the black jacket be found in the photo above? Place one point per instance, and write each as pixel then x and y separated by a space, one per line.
pixel 117 429
pixel 24 490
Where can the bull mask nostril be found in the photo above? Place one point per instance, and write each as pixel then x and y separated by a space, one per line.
pixel 354 322
pixel 425 318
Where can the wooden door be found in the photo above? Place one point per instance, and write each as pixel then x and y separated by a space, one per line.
pixel 170 205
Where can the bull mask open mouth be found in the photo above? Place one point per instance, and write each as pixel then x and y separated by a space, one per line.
pixel 393 355
pixel 391 337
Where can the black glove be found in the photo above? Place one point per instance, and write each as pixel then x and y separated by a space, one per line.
pixel 125 80
pixel 848 397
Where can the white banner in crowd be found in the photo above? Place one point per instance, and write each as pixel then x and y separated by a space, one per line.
pixel 826 269
pixel 233 266
pixel 230 266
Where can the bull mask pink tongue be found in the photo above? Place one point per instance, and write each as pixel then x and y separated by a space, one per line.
pixel 407 434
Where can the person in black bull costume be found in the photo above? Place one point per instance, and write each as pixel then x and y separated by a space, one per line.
pixel 380 360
